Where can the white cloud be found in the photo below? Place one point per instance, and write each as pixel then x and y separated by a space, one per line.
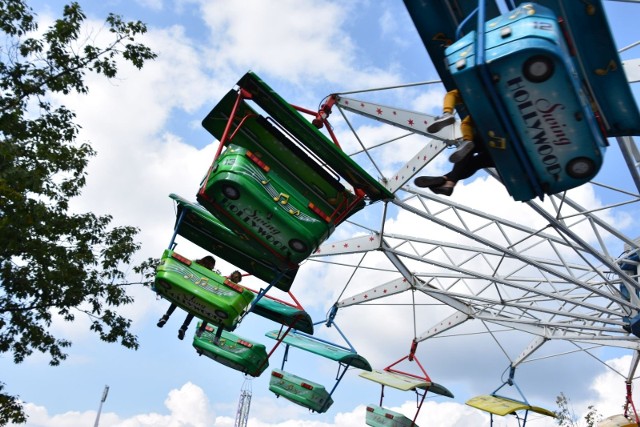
pixel 282 39
pixel 300 42
pixel 188 407
pixel 609 388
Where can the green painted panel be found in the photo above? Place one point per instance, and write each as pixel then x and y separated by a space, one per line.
pixel 323 349
pixel 313 143
pixel 243 355
pixel 200 291
pixel 311 137
pixel 265 206
pixel 378 416
pixel 300 391
pixel 284 314
pixel 202 228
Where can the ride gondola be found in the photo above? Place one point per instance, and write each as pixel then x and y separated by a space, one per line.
pixel 231 350
pixel 304 392
pixel 200 291
pixel 276 180
pixel 496 404
pixel 543 83
pixel 391 376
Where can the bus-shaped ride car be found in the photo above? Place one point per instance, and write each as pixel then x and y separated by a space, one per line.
pixel 199 226
pixel 238 353
pixel 304 392
pixel 543 83
pixel 540 128
pixel 277 178
pixel 200 291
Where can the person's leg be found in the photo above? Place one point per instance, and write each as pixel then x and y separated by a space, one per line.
pixel 447 118
pixel 202 328
pixel 466 146
pixel 185 325
pixel 429 181
pixel 469 166
pixel 451 99
pixel 166 316
pixel 467 128
pixel 464 169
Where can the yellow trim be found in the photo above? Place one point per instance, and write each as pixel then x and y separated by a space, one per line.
pixel 502 406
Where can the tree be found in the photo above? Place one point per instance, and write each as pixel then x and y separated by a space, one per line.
pixel 566 417
pixel 54 261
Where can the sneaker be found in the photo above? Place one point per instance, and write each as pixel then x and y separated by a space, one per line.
pixel 462 151
pixel 441 122
pixel 429 181
pixel 181 333
pixel 201 329
pixel 162 321
pixel 445 190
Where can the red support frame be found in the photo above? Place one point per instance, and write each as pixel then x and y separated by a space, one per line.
pixel 630 403
pixel 321 120
pixel 242 94
pixel 411 357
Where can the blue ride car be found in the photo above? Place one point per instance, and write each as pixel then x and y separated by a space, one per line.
pixel 522 88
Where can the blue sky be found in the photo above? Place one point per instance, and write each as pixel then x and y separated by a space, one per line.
pixel 146 128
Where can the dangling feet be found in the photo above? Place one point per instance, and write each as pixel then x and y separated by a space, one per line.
pixel 437 184
pixel 441 122
pixel 464 149
pixel 181 332
pixel 445 189
pixel 162 321
pixel 429 181
pixel 201 329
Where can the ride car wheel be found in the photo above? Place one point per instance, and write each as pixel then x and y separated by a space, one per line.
pixel 231 192
pixel 297 245
pixel 580 167
pixel 538 68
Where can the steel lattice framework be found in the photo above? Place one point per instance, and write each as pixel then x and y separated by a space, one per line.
pixel 560 271
pixel 244 405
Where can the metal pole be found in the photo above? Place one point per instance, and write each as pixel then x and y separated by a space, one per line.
pixel 104 397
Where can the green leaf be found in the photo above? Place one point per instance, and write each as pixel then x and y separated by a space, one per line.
pixel 53 260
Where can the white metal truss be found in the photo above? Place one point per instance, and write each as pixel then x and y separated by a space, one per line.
pixel 572 276
pixel 244 404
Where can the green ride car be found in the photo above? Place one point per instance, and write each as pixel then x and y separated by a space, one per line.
pixel 200 291
pixel 300 391
pixel 230 350
pixel 377 416
pixel 276 180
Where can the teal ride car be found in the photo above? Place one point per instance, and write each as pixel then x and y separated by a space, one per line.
pixel 377 416
pixel 238 353
pixel 300 391
pixel 543 83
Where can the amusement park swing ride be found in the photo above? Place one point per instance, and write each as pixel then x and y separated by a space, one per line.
pixel 545 85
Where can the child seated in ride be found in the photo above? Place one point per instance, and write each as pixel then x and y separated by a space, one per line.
pixel 235 277
pixel 208 262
